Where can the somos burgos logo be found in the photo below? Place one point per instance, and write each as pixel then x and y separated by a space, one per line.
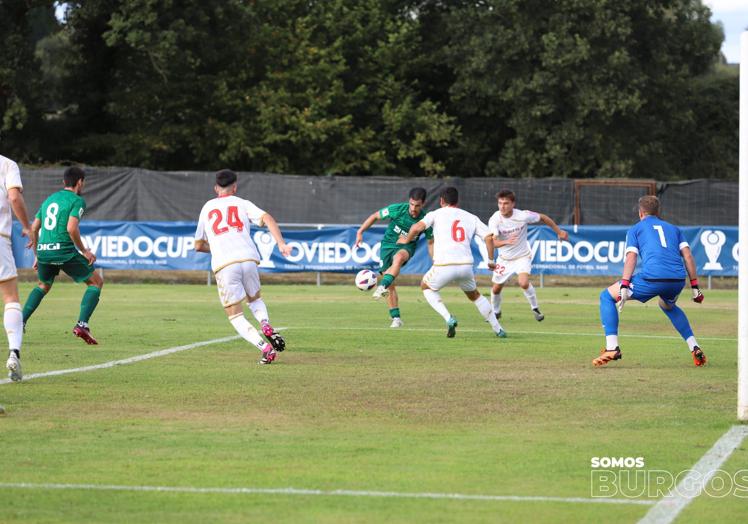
pixel 627 477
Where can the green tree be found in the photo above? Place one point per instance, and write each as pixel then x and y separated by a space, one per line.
pixel 574 88
pixel 22 24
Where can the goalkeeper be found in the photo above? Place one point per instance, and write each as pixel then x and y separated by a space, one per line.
pixel 665 260
pixel 393 255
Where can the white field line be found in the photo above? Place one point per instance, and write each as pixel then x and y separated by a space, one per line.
pixel 130 360
pixel 320 493
pixel 510 332
pixel 670 506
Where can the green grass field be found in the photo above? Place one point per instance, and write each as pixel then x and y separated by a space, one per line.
pixel 354 405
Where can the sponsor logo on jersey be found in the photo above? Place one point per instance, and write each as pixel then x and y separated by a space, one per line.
pixel 54 246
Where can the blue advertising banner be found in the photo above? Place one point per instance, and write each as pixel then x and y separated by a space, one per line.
pixel 590 250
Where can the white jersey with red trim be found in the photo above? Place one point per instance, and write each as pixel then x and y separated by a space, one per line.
pixel 504 228
pixel 454 229
pixel 225 224
pixel 10 177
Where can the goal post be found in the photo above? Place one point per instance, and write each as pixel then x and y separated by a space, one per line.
pixel 743 236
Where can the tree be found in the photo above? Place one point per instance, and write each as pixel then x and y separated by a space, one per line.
pixel 22 24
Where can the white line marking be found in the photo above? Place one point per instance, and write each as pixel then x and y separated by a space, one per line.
pixel 668 508
pixel 131 360
pixel 323 493
pixel 510 332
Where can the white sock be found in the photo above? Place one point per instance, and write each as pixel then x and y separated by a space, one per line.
pixel 486 312
pixel 531 297
pixel 259 310
pixel 435 300
pixel 691 341
pixel 496 302
pixel 247 332
pixel 13 321
pixel 611 342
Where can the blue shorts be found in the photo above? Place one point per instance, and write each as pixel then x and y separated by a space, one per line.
pixel 644 290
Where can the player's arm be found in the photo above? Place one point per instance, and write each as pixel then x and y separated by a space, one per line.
pixel 36 226
pixel 548 221
pixel 18 205
pixel 431 248
pixel 500 243
pixel 690 264
pixel 366 225
pixel 75 235
pixel 415 230
pixel 274 229
pixel 624 291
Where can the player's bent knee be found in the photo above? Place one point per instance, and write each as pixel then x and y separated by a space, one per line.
pixel 665 306
pixel 45 287
pixel 473 295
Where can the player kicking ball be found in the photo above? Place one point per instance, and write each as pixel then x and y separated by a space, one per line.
pixel 223 231
pixel 60 247
pixel 509 228
pixel 395 255
pixel 454 229
pixel 665 260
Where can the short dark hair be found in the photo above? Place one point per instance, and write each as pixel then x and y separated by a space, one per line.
pixel 505 193
pixel 72 175
pixel 225 177
pixel 450 195
pixel 650 205
pixel 417 193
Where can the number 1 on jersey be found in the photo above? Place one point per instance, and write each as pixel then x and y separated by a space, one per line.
pixel 661 232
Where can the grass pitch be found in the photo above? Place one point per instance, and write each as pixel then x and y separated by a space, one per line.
pixel 355 405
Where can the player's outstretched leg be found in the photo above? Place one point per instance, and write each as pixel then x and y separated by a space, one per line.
pixel 13 322
pixel 260 312
pixel 435 301
pixel 390 274
pixel 35 298
pixel 609 319
pixel 486 311
pixel 251 335
pixel 679 320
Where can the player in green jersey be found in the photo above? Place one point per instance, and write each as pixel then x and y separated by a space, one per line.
pixel 393 255
pixel 60 247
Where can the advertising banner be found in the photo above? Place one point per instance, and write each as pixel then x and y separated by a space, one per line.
pixel 590 250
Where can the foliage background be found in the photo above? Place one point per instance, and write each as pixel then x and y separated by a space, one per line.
pixel 518 88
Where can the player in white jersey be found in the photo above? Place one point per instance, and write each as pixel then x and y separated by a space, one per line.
pixel 454 229
pixel 11 198
pixel 509 228
pixel 223 231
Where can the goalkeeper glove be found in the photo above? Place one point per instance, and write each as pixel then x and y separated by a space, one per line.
pixel 698 296
pixel 624 293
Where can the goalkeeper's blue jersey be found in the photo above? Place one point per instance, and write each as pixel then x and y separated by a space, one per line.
pixel 658 244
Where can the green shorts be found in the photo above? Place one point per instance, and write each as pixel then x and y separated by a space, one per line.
pixel 387 253
pixel 76 268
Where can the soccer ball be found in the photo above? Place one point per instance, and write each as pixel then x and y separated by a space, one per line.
pixel 366 279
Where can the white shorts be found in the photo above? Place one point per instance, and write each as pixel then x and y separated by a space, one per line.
pixel 237 282
pixel 506 268
pixel 7 262
pixel 439 276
